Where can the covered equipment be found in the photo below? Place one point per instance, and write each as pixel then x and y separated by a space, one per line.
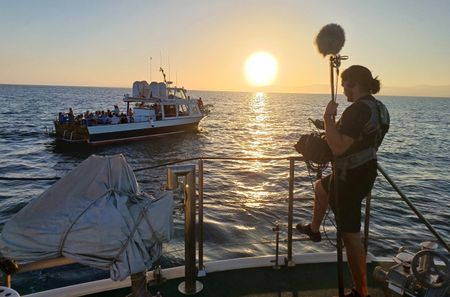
pixel 95 215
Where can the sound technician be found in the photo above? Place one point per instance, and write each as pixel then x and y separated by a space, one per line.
pixel 354 141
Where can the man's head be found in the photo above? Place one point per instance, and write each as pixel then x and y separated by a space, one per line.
pixel 358 81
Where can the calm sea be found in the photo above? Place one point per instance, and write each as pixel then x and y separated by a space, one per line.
pixel 243 199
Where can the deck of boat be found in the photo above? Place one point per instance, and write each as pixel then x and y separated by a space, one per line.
pixel 302 280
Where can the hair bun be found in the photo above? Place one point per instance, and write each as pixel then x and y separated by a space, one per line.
pixel 375 85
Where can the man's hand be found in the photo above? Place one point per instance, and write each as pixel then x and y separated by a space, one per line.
pixel 331 110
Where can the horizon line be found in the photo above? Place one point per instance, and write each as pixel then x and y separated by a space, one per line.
pixel 235 91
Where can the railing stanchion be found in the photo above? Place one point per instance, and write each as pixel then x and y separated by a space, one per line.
pixel 367 222
pixel 190 285
pixel 201 271
pixel 290 211
pixel 7 280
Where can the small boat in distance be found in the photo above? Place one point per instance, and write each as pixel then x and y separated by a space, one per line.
pixel 153 109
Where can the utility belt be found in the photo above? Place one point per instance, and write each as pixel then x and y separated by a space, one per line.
pixel 354 160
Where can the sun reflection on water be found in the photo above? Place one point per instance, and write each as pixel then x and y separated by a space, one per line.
pixel 257 125
pixel 253 185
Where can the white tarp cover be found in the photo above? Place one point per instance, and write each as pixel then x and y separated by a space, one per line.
pixel 90 216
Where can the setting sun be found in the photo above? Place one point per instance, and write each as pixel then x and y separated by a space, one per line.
pixel 261 69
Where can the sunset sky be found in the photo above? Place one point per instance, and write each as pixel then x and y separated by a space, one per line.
pixel 109 43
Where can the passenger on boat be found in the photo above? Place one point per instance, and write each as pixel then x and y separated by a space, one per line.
pixel 102 118
pixel 123 119
pixel 200 103
pixel 116 110
pixel 354 140
pixel 61 118
pixel 115 120
pixel 71 116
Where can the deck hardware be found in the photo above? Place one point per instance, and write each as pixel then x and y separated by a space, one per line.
pixel 138 284
pixel 190 285
pixel 289 260
pixel 8 267
pixel 426 273
pixel 276 229
pixel 201 267
pixel 158 277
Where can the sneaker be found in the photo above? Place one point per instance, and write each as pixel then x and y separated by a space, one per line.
pixel 306 229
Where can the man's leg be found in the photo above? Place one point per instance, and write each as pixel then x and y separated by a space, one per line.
pixel 320 206
pixel 356 257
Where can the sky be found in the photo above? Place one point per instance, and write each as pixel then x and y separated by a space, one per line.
pixel 204 44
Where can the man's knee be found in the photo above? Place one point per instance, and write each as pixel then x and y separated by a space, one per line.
pixel 351 238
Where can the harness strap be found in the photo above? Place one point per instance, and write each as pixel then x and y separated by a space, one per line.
pixel 352 161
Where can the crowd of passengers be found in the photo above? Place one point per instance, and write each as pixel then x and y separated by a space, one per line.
pixel 97 118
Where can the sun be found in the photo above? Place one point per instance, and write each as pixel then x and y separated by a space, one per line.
pixel 261 69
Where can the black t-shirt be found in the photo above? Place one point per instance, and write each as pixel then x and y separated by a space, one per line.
pixel 352 122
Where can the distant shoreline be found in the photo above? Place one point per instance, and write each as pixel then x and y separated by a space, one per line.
pixel 230 91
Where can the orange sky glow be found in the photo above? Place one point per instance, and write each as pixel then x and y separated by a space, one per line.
pixel 204 44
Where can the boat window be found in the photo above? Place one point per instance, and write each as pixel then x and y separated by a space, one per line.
pixel 194 109
pixel 183 110
pixel 170 111
pixel 171 93
pixel 181 94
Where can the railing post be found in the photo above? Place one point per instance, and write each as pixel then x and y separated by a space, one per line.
pixel 201 270
pixel 190 285
pixel 290 211
pixel 367 222
pixel 7 279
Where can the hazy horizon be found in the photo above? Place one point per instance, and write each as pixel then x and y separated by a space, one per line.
pixel 325 93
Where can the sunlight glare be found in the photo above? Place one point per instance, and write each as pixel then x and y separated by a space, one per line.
pixel 261 69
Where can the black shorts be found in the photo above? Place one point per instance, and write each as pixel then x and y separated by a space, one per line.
pixel 357 185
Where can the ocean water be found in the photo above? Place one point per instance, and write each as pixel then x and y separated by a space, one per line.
pixel 243 199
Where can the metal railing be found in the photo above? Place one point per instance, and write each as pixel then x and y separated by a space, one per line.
pixel 191 285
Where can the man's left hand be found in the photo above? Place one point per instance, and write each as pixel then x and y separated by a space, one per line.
pixel 331 109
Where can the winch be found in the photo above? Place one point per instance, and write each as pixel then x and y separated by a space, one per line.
pixel 423 274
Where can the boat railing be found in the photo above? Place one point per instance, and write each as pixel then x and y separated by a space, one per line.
pixel 194 201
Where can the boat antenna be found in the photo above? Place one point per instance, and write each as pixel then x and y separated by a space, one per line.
pixel 150 69
pixel 168 61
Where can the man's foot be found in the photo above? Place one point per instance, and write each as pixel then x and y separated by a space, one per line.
pixel 306 229
pixel 352 293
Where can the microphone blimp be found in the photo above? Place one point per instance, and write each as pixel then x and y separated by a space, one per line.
pixel 330 39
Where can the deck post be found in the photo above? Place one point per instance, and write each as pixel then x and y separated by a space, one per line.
pixel 290 211
pixel 7 279
pixel 201 270
pixel 190 285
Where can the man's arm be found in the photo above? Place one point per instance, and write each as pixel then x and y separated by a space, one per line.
pixel 338 143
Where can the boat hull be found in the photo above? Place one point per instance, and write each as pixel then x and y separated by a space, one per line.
pixel 107 134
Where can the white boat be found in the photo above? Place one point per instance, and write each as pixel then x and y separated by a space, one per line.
pixel 153 109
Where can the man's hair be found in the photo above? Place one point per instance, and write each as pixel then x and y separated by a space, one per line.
pixel 362 76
